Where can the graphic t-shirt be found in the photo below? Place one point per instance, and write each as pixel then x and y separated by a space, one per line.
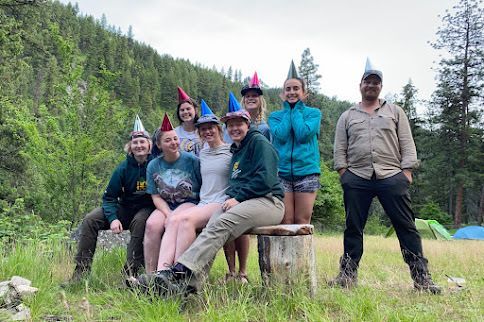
pixel 176 182
pixel 189 141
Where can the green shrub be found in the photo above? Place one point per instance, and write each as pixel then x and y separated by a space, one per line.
pixel 431 210
pixel 17 224
pixel 329 211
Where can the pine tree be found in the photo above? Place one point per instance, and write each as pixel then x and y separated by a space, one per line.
pixel 308 70
pixel 460 85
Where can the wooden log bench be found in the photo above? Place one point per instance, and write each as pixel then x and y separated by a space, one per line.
pixel 286 255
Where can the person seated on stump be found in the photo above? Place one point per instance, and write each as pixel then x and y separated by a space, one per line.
pixel 255 199
pixel 174 182
pixel 125 205
pixel 181 228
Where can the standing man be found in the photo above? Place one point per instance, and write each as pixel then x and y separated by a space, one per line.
pixel 374 154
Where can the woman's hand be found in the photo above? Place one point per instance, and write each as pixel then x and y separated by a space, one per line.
pixel 116 226
pixel 229 203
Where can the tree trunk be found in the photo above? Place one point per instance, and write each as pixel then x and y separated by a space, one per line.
pixel 458 205
pixel 480 216
pixel 287 261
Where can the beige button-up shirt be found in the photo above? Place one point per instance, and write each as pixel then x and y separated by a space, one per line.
pixel 379 143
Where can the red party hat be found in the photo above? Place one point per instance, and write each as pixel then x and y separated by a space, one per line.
pixel 254 82
pixel 166 124
pixel 182 96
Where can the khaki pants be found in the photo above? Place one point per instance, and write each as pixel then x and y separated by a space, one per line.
pixel 227 226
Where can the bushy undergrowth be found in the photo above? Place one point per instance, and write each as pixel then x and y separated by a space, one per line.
pixel 17 224
pixel 384 293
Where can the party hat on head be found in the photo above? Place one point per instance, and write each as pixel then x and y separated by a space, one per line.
pixel 233 105
pixel 254 82
pixel 205 109
pixel 234 110
pixel 371 70
pixel 166 124
pixel 139 129
pixel 292 71
pixel 207 115
pixel 254 85
pixel 182 96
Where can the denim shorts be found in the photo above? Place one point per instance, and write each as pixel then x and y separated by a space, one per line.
pixel 308 183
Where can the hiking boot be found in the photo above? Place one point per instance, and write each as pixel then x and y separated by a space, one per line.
pixel 80 273
pixel 422 280
pixel 348 273
pixel 424 283
pixel 166 283
pixel 344 280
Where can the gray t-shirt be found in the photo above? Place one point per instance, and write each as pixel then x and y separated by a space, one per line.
pixel 215 169
pixel 189 141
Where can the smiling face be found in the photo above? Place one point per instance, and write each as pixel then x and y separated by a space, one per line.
pixel 293 91
pixel 252 102
pixel 169 142
pixel 210 133
pixel 370 88
pixel 237 129
pixel 140 147
pixel 186 112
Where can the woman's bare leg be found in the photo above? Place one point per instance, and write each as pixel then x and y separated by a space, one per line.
pixel 289 209
pixel 167 249
pixel 155 226
pixel 304 203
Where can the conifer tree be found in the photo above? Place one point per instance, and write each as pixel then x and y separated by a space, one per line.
pixel 308 70
pixel 460 86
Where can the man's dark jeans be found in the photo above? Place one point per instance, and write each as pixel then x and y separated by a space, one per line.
pixel 394 197
pixel 96 221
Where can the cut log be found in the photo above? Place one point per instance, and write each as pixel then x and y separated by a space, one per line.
pixel 286 255
pixel 283 230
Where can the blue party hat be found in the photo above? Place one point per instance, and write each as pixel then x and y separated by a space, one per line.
pixel 234 105
pixel 205 109
pixel 207 115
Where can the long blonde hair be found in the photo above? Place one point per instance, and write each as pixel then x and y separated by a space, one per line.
pixel 261 115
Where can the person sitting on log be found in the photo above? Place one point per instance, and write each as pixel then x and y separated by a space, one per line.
pixel 125 205
pixel 253 102
pixel 255 199
pixel 174 184
pixel 180 229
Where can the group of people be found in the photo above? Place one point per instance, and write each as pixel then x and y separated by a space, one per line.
pixel 221 177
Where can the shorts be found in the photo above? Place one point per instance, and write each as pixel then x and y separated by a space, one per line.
pixel 308 183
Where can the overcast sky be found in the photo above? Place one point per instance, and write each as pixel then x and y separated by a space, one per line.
pixel 264 35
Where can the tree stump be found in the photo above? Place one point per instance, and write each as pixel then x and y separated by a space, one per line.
pixel 286 255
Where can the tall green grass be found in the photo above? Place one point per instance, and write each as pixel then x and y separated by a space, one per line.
pixel 385 289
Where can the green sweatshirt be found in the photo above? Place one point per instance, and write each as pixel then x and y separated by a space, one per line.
pixel 254 169
pixel 127 188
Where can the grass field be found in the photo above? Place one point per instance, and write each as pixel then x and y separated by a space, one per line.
pixel 385 290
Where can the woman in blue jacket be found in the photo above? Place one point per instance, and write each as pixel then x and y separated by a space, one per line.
pixel 295 132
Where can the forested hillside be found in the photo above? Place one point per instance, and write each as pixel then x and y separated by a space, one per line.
pixel 70 87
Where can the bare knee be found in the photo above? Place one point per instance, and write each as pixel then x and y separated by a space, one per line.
pixel 173 221
pixel 154 226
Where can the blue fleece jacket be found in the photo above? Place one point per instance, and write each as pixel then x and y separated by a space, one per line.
pixel 295 131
